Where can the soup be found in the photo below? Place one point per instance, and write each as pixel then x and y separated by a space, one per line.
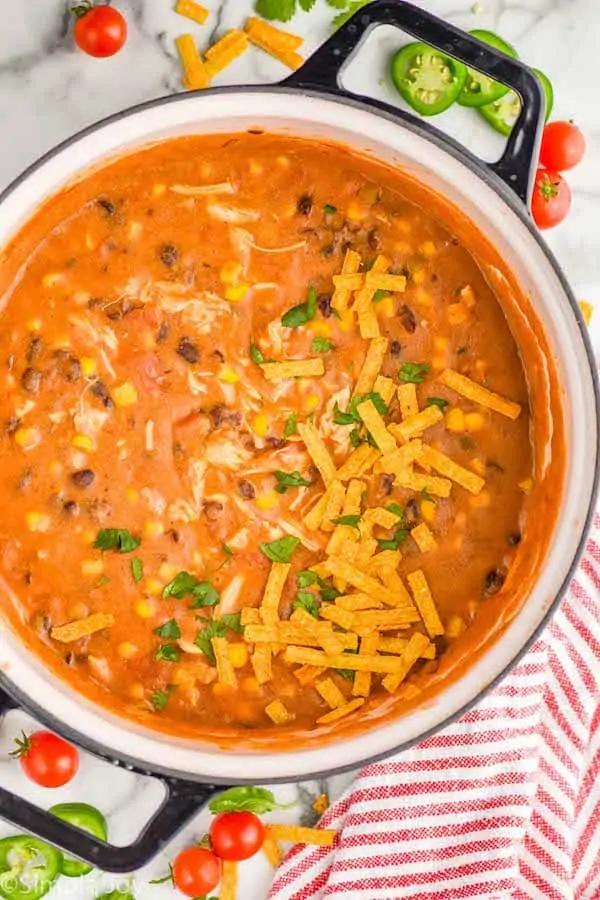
pixel 268 451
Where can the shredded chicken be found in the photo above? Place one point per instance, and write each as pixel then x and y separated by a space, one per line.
pixel 155 500
pixel 181 510
pixel 196 475
pixel 203 190
pixel 232 214
pixel 276 335
pixel 231 593
pixel 87 420
pixel 196 383
pixel 293 529
pixel 226 454
pixel 339 434
pixel 97 334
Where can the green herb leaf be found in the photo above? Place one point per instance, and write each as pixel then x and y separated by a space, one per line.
pixel 226 549
pixel 159 699
pixel 321 345
pixel 170 630
pixel 184 584
pixel 137 569
pixel 301 314
pixel 329 209
pixel 168 653
pixel 276 10
pixel 258 800
pixel 396 509
pixel 393 543
pixel 233 621
pixel 462 350
pixel 351 416
pixel 379 295
pixel 291 426
pixel 281 550
pixel 287 480
pixel 414 373
pixel 256 354
pixel 104 580
pixel 466 442
pixel 347 520
pixel 306 578
pixel 306 5
pixel 204 594
pixel 337 4
pixel 328 592
pixel 427 496
pixel 343 17
pixel 116 894
pixel 437 401
pixel 342 418
pixel 214 628
pixel 346 673
pixel 116 539
pixel 355 438
pixel 306 600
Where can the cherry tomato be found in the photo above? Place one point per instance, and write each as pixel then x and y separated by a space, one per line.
pixel 46 758
pixel 551 199
pixel 196 871
pixel 99 30
pixel 563 146
pixel 236 835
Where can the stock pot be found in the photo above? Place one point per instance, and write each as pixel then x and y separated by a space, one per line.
pixel 494 198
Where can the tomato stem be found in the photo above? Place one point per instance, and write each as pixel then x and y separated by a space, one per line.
pixel 82 9
pixel 22 746
pixel 548 189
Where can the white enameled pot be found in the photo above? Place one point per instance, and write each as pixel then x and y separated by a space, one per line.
pixel 305 108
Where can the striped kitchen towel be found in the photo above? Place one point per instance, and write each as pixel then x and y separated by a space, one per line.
pixel 503 804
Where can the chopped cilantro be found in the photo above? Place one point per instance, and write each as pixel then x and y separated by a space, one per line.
pixel 352 521
pixel 226 549
pixel 393 543
pixel 329 209
pixel 343 17
pixel 379 295
pixel 426 495
pixel 291 426
pixel 116 539
pixel 328 592
pixel 104 580
pixel 204 638
pixel 137 569
pixel 287 480
pixel 321 345
pixel 281 550
pixel 414 373
pixel 184 584
pixel 256 355
pixel 437 401
pixel 355 438
pixel 159 699
pixel 278 10
pixel 351 416
pixel 305 578
pixel 396 509
pixel 233 621
pixel 170 630
pixel 168 653
pixel 301 314
pixel 307 600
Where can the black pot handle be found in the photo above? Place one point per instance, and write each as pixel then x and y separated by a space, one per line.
pixel 183 800
pixel 323 69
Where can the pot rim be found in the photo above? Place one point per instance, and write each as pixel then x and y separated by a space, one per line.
pixel 493 181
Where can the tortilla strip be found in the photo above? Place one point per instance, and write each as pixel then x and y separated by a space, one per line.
pixel 269 34
pixel 229 879
pixel 336 493
pixel 384 559
pixel 320 837
pixel 294 633
pixel 293 368
pixel 330 693
pixel 192 10
pixel 384 665
pixel 378 515
pixel 398 462
pixel 447 467
pixel 269 607
pixel 397 592
pixel 277 712
pixel 349 282
pixel 416 425
pixel 352 504
pixel 340 712
pixel 261 663
pixel 414 650
pixel 353 602
pixel 440 487
pixel 358 463
pixel 341 296
pixel 272 851
pixel 423 538
pixel 318 452
pixel 342 617
pixel 365 583
pixel 424 603
pixel 313 518
pixel 385 387
pixel 367 319
pixel 473 391
pixel 371 367
pixel 362 681
pixel 250 615
pixel 376 426
pixel 407 397
pixel 307 674
pixel 196 75
pixel 398 646
pixel 225 50
pixel 225 671
pixel 326 638
pixel 80 628
pixel 396 284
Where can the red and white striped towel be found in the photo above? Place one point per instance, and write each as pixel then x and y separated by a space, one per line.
pixel 503 804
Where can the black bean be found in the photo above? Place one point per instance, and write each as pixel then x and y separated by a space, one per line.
pixel 466 442
pixel 387 483
pixel 220 415
pixel 373 239
pixel 327 250
pixel 84 478
pixel 274 442
pixel 514 539
pixel 69 658
pixel 395 348
pixel 34 349
pixel 71 508
pixel 174 535
pixel 455 242
pixel 25 480
pixel 212 510
pixel 163 333
pixel 99 390
pixel 96 303
pixel 168 254
pixel 324 304
pixel 106 206
pixel 304 205
pixel 31 380
pixel 441 644
pixel 188 351
pixel 12 425
pixel 70 367
pixel 27 578
pixel 346 245
pixel 218 355
pixel 493 581
pixel 247 490
pixel 411 514
pixel 407 319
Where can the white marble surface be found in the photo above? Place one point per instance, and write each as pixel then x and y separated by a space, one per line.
pixel 48 91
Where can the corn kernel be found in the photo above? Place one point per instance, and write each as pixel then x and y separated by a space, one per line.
pixel 480 369
pixel 587 311
pixel 153 528
pixel 158 190
pixel 237 291
pixel 221 690
pixel 440 343
pixel 88 365
pixel 90 243
pixel 402 225
pixel 37 521
pixel 92 567
pixel 455 420
pixel 135 230
pixel 132 495
pixel 52 279
pixel 62 341
pixel 268 500
pixel 419 276
pixel 387 306
pixel 255 168
pixel 127 650
pixel 228 375
pixel 475 421
pixel 136 691
pixel 181 675
pixel 153 586
pixel 125 394
pixel 250 685
pixel 34 325
pixel 89 536
pixel 283 161
pixel 311 402
pixel 428 511
pixel 260 426
pixel 423 297
pixel 321 804
pixel 526 485
pixel 230 272
pixel 428 249
pixel 356 211
pixel 289 211
pixel 454 627
pixel 238 655
pixel 145 609
pixel 167 571
pixel 320 328
pixel 79 611
pixel 83 442
pixel 457 313
pixel 346 320
pixel 28 438
pixel 481 500
pixel 478 466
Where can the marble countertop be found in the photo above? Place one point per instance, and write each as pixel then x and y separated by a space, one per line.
pixel 49 90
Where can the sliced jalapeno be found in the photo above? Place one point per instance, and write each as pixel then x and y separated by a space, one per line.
pixel 28 867
pixel 503 113
pixel 429 80
pixel 89 819
pixel 480 89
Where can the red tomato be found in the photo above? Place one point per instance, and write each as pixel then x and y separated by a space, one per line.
pixel 99 30
pixel 47 759
pixel 551 199
pixel 236 835
pixel 196 871
pixel 563 146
